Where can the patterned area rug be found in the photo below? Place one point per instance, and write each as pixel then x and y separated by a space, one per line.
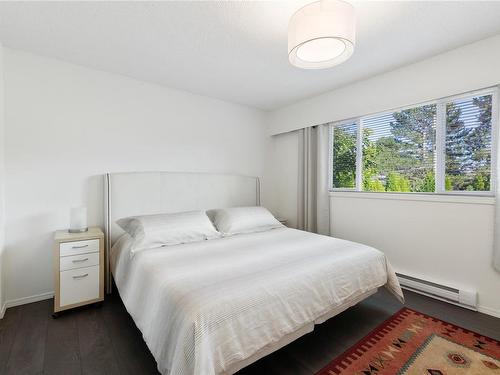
pixel 410 342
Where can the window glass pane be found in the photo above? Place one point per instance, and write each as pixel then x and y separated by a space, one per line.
pixel 468 144
pixel 398 150
pixel 344 156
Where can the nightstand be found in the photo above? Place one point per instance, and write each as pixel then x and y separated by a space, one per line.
pixel 282 220
pixel 78 268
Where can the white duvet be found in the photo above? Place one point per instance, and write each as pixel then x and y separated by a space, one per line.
pixel 204 306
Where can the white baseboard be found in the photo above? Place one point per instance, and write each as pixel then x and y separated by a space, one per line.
pixel 489 311
pixel 2 310
pixel 24 301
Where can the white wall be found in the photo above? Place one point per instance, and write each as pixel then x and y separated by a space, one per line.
pixel 281 174
pixel 447 242
pixel 468 68
pixel 67 125
pixel 2 185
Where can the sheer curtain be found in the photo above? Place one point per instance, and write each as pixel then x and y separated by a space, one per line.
pixel 313 201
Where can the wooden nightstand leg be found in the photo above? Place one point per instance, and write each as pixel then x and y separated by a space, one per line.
pixel 55 315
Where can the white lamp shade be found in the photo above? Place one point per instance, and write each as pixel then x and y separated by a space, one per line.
pixel 321 34
pixel 78 219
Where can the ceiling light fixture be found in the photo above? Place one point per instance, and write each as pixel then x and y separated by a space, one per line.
pixel 321 34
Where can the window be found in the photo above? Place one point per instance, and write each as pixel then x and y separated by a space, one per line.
pixel 442 146
pixel 398 150
pixel 468 144
pixel 344 155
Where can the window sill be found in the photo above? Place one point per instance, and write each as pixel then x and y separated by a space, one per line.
pixel 439 198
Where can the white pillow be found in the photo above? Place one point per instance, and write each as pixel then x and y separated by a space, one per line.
pixel 152 231
pixel 236 220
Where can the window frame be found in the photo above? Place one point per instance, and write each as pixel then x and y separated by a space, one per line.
pixel 330 153
pixel 440 151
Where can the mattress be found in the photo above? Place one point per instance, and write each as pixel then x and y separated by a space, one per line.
pixel 210 307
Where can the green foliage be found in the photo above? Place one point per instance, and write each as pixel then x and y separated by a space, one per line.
pixel 395 161
pixel 468 158
pixel 344 154
pixel 415 133
pixel 373 185
pixel 448 184
pixel 479 183
pixel 429 183
pixel 397 182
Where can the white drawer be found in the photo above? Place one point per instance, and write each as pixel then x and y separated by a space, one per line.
pixel 79 285
pixel 78 261
pixel 78 247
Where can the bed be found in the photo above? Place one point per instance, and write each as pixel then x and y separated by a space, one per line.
pixel 213 307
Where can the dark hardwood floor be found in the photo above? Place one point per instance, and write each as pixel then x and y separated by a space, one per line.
pixel 104 340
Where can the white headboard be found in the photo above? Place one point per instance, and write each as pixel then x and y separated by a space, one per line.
pixel 143 193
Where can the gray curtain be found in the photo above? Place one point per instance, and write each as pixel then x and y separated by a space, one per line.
pixel 313 201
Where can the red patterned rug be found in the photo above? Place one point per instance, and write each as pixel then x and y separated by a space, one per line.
pixel 413 343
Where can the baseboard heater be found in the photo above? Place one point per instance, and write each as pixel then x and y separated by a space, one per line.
pixel 459 297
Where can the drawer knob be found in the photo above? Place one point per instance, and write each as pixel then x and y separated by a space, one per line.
pixel 80 260
pixel 80 276
pixel 80 247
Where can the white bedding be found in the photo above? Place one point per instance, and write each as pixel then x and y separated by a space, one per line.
pixel 203 307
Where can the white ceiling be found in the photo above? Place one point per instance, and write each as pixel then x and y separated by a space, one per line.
pixel 236 51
